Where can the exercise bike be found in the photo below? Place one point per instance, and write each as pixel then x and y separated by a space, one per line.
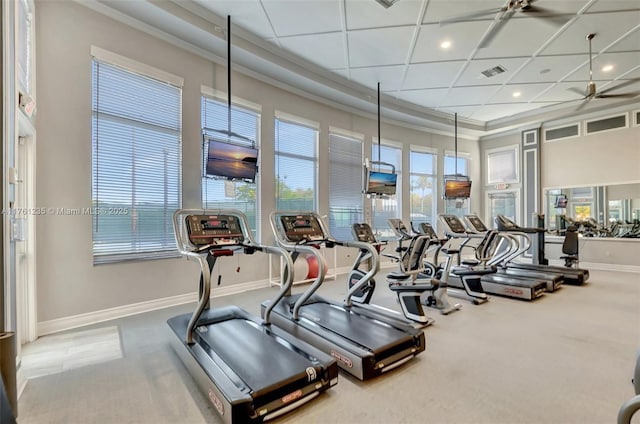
pixel 411 261
pixel 409 296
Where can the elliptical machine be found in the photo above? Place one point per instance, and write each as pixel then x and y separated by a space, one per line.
pixel 470 277
pixel 409 296
pixel 411 264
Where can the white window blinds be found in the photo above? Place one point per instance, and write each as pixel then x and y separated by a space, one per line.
pixel 24 45
pixel 383 209
pixel 345 185
pixel 296 166
pixel 502 166
pixel 136 164
pixel 217 193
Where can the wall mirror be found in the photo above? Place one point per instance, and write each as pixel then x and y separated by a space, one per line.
pixel 598 211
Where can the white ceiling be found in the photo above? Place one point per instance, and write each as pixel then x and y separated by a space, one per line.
pixel 345 47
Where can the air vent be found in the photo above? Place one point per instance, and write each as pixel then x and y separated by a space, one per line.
pixel 562 132
pixel 387 3
pixel 638 118
pixel 492 72
pixel 606 124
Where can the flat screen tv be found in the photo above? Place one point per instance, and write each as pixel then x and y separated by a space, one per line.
pixel 383 183
pixel 231 161
pixel 457 189
pixel 561 201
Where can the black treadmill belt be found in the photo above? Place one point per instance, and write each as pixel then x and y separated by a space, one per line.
pixel 256 357
pixel 511 280
pixel 363 331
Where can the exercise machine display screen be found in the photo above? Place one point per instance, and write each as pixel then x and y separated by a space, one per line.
pixel 217 230
pixel 301 228
pixel 477 224
pixel 454 224
pixel 428 230
pixel 364 233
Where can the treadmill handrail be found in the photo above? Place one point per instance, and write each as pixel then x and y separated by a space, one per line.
pixel 301 248
pixel 373 268
pixel 519 246
pixel 200 253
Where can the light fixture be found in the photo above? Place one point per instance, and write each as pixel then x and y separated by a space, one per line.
pixel 516 94
pixel 607 68
pixel 387 3
pixel 445 44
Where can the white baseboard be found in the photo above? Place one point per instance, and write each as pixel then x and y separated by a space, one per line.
pixel 21 381
pixel 600 266
pixel 75 321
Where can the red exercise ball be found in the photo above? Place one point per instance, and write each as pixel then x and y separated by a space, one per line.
pixel 312 262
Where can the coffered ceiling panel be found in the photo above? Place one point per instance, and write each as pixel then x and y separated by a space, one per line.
pixel 431 75
pixel 462 41
pixel 302 17
pixel 376 47
pixel 358 43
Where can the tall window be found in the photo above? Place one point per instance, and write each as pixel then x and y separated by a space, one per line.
pixel 345 185
pixel 457 207
pixel 503 203
pixel 217 193
pixel 502 165
pixel 136 140
pixel 385 208
pixel 423 189
pixel 296 162
pixel 24 47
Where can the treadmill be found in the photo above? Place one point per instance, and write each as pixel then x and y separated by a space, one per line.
pixel 575 276
pixel 499 284
pixel 250 370
pixel 553 280
pixel 364 343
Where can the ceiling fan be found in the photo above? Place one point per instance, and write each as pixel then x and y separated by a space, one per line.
pixel 505 13
pixel 591 91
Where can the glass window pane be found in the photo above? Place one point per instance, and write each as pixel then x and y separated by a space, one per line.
pixel 217 193
pixel 136 164
pixel 345 185
pixel 296 166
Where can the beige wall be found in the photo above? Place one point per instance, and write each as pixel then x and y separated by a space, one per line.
pixel 68 283
pixel 608 157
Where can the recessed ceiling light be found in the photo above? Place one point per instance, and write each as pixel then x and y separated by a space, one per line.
pixel 607 68
pixel 445 44
pixel 516 94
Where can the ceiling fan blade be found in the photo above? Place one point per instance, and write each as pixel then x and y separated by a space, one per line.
pixel 495 29
pixel 470 16
pixel 583 104
pixel 623 84
pixel 576 90
pixel 619 96
pixel 548 15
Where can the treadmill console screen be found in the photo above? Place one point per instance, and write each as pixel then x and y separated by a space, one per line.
pixel 219 230
pixel 301 227
pixel 398 226
pixel 477 224
pixel 454 224
pixel 505 224
pixel 364 233
pixel 428 230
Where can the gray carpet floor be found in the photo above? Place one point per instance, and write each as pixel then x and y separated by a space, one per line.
pixel 565 358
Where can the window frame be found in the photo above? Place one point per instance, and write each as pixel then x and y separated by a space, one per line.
pixel 246 107
pixel 360 140
pixel 434 176
pixel 515 149
pixel 302 122
pixel 138 69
